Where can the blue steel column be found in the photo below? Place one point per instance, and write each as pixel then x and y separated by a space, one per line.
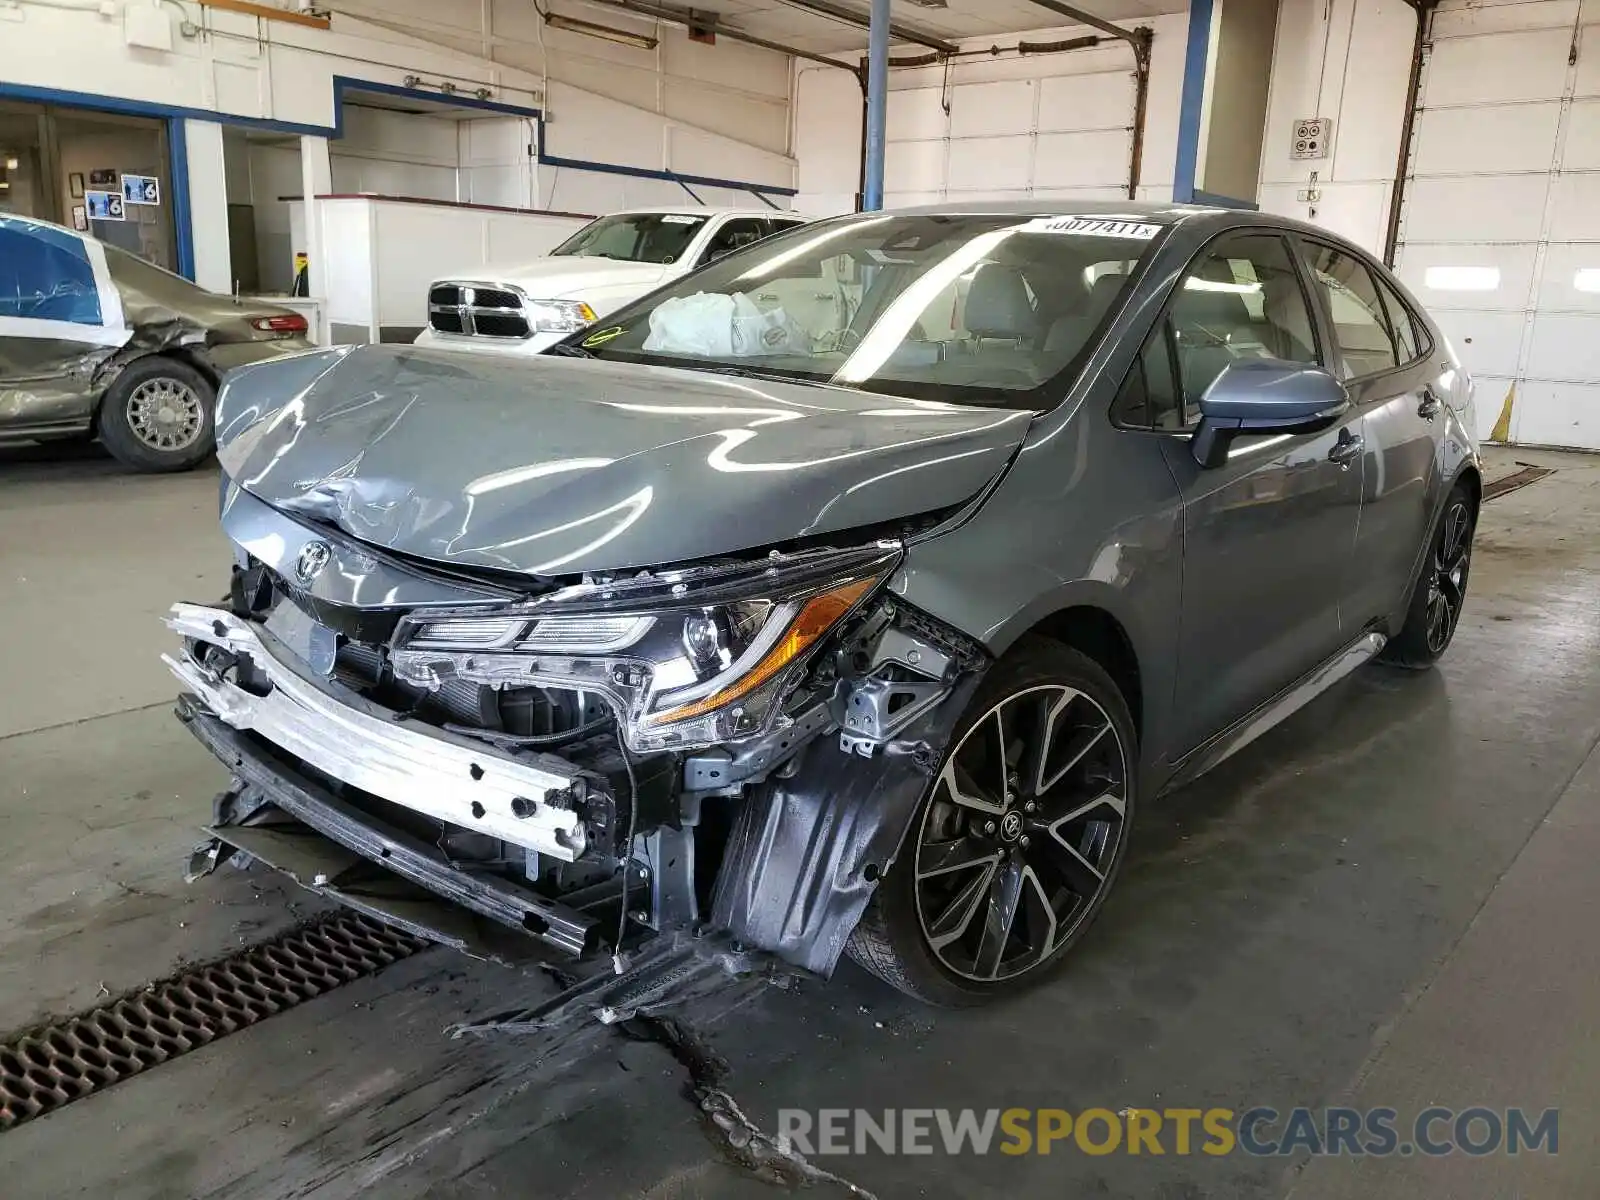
pixel 877 103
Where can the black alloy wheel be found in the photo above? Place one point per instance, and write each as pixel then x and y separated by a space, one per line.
pixel 1019 838
pixel 1016 845
pixel 1447 591
pixel 1440 593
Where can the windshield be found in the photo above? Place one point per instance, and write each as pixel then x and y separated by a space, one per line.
pixel 990 310
pixel 635 237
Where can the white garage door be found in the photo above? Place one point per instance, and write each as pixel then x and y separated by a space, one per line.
pixel 1501 232
pixel 1051 125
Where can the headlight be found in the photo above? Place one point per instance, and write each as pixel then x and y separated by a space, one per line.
pixel 558 316
pixel 687 659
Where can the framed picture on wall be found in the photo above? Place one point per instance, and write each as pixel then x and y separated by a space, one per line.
pixel 75 181
pixel 80 218
pixel 103 178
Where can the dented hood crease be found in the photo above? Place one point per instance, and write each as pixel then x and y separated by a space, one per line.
pixel 558 466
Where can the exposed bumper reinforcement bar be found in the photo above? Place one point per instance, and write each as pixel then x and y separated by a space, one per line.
pixel 434 773
pixel 569 930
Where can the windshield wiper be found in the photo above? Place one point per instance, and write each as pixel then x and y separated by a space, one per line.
pixel 562 350
pixel 748 373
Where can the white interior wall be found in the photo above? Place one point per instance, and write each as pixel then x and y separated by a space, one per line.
pixel 207 166
pixel 495 167
pixel 395 154
pixel 382 152
pixel 1348 60
pixel 1047 125
pixel 738 91
pixel 719 111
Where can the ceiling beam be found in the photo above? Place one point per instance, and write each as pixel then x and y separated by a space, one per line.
pixel 849 16
pixel 707 22
pixel 1074 13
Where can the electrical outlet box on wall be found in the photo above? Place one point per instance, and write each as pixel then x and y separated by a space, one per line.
pixel 1313 137
pixel 147 26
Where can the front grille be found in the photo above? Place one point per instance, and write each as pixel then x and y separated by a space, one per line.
pixel 495 298
pixel 504 325
pixel 477 310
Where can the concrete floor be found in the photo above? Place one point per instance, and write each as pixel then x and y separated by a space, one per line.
pixel 1383 902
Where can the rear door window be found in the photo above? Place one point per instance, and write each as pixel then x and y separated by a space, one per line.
pixel 45 275
pixel 1408 338
pixel 1360 324
pixel 735 234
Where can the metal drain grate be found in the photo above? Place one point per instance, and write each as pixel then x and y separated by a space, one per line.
pixel 1496 488
pixel 46 1068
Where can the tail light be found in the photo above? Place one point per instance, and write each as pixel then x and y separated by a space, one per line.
pixel 280 323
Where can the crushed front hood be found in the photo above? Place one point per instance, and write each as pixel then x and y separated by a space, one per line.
pixel 560 466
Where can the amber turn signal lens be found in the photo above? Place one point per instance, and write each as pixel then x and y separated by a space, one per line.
pixel 815 618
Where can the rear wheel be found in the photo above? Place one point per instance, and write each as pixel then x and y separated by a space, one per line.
pixel 1436 602
pixel 158 415
pixel 1016 845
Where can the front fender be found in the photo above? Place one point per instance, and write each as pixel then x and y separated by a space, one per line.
pixel 808 850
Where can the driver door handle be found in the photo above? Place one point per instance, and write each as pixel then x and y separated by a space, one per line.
pixel 1347 449
pixel 1430 406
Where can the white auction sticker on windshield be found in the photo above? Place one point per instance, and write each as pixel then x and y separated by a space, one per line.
pixel 1093 227
pixel 678 219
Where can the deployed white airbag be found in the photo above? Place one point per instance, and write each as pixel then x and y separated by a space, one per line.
pixel 715 325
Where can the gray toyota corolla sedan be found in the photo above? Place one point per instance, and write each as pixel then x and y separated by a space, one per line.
pixel 850 595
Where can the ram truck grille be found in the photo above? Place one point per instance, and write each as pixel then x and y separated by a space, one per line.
pixel 469 309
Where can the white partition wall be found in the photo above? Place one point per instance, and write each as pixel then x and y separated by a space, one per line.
pixel 383 252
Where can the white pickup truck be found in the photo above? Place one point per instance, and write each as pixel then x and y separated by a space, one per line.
pixel 609 262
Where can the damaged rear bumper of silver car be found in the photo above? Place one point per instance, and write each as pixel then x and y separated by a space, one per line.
pixel 430 772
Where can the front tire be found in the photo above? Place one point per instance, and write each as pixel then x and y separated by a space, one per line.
pixel 1436 602
pixel 1017 843
pixel 158 415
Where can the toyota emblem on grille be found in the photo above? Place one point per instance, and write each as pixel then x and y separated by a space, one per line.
pixel 313 557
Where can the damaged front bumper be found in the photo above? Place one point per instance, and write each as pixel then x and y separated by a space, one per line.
pixel 388 813
pixel 527 803
pixel 327 843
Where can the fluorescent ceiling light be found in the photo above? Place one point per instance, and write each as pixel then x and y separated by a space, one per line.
pixel 1462 279
pixel 1587 279
pixel 605 33
pixel 11 164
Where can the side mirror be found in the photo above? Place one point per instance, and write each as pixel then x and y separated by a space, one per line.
pixel 1265 395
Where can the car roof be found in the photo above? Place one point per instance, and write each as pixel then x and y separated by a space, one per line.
pixel 1152 213
pixel 23 219
pixel 703 210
